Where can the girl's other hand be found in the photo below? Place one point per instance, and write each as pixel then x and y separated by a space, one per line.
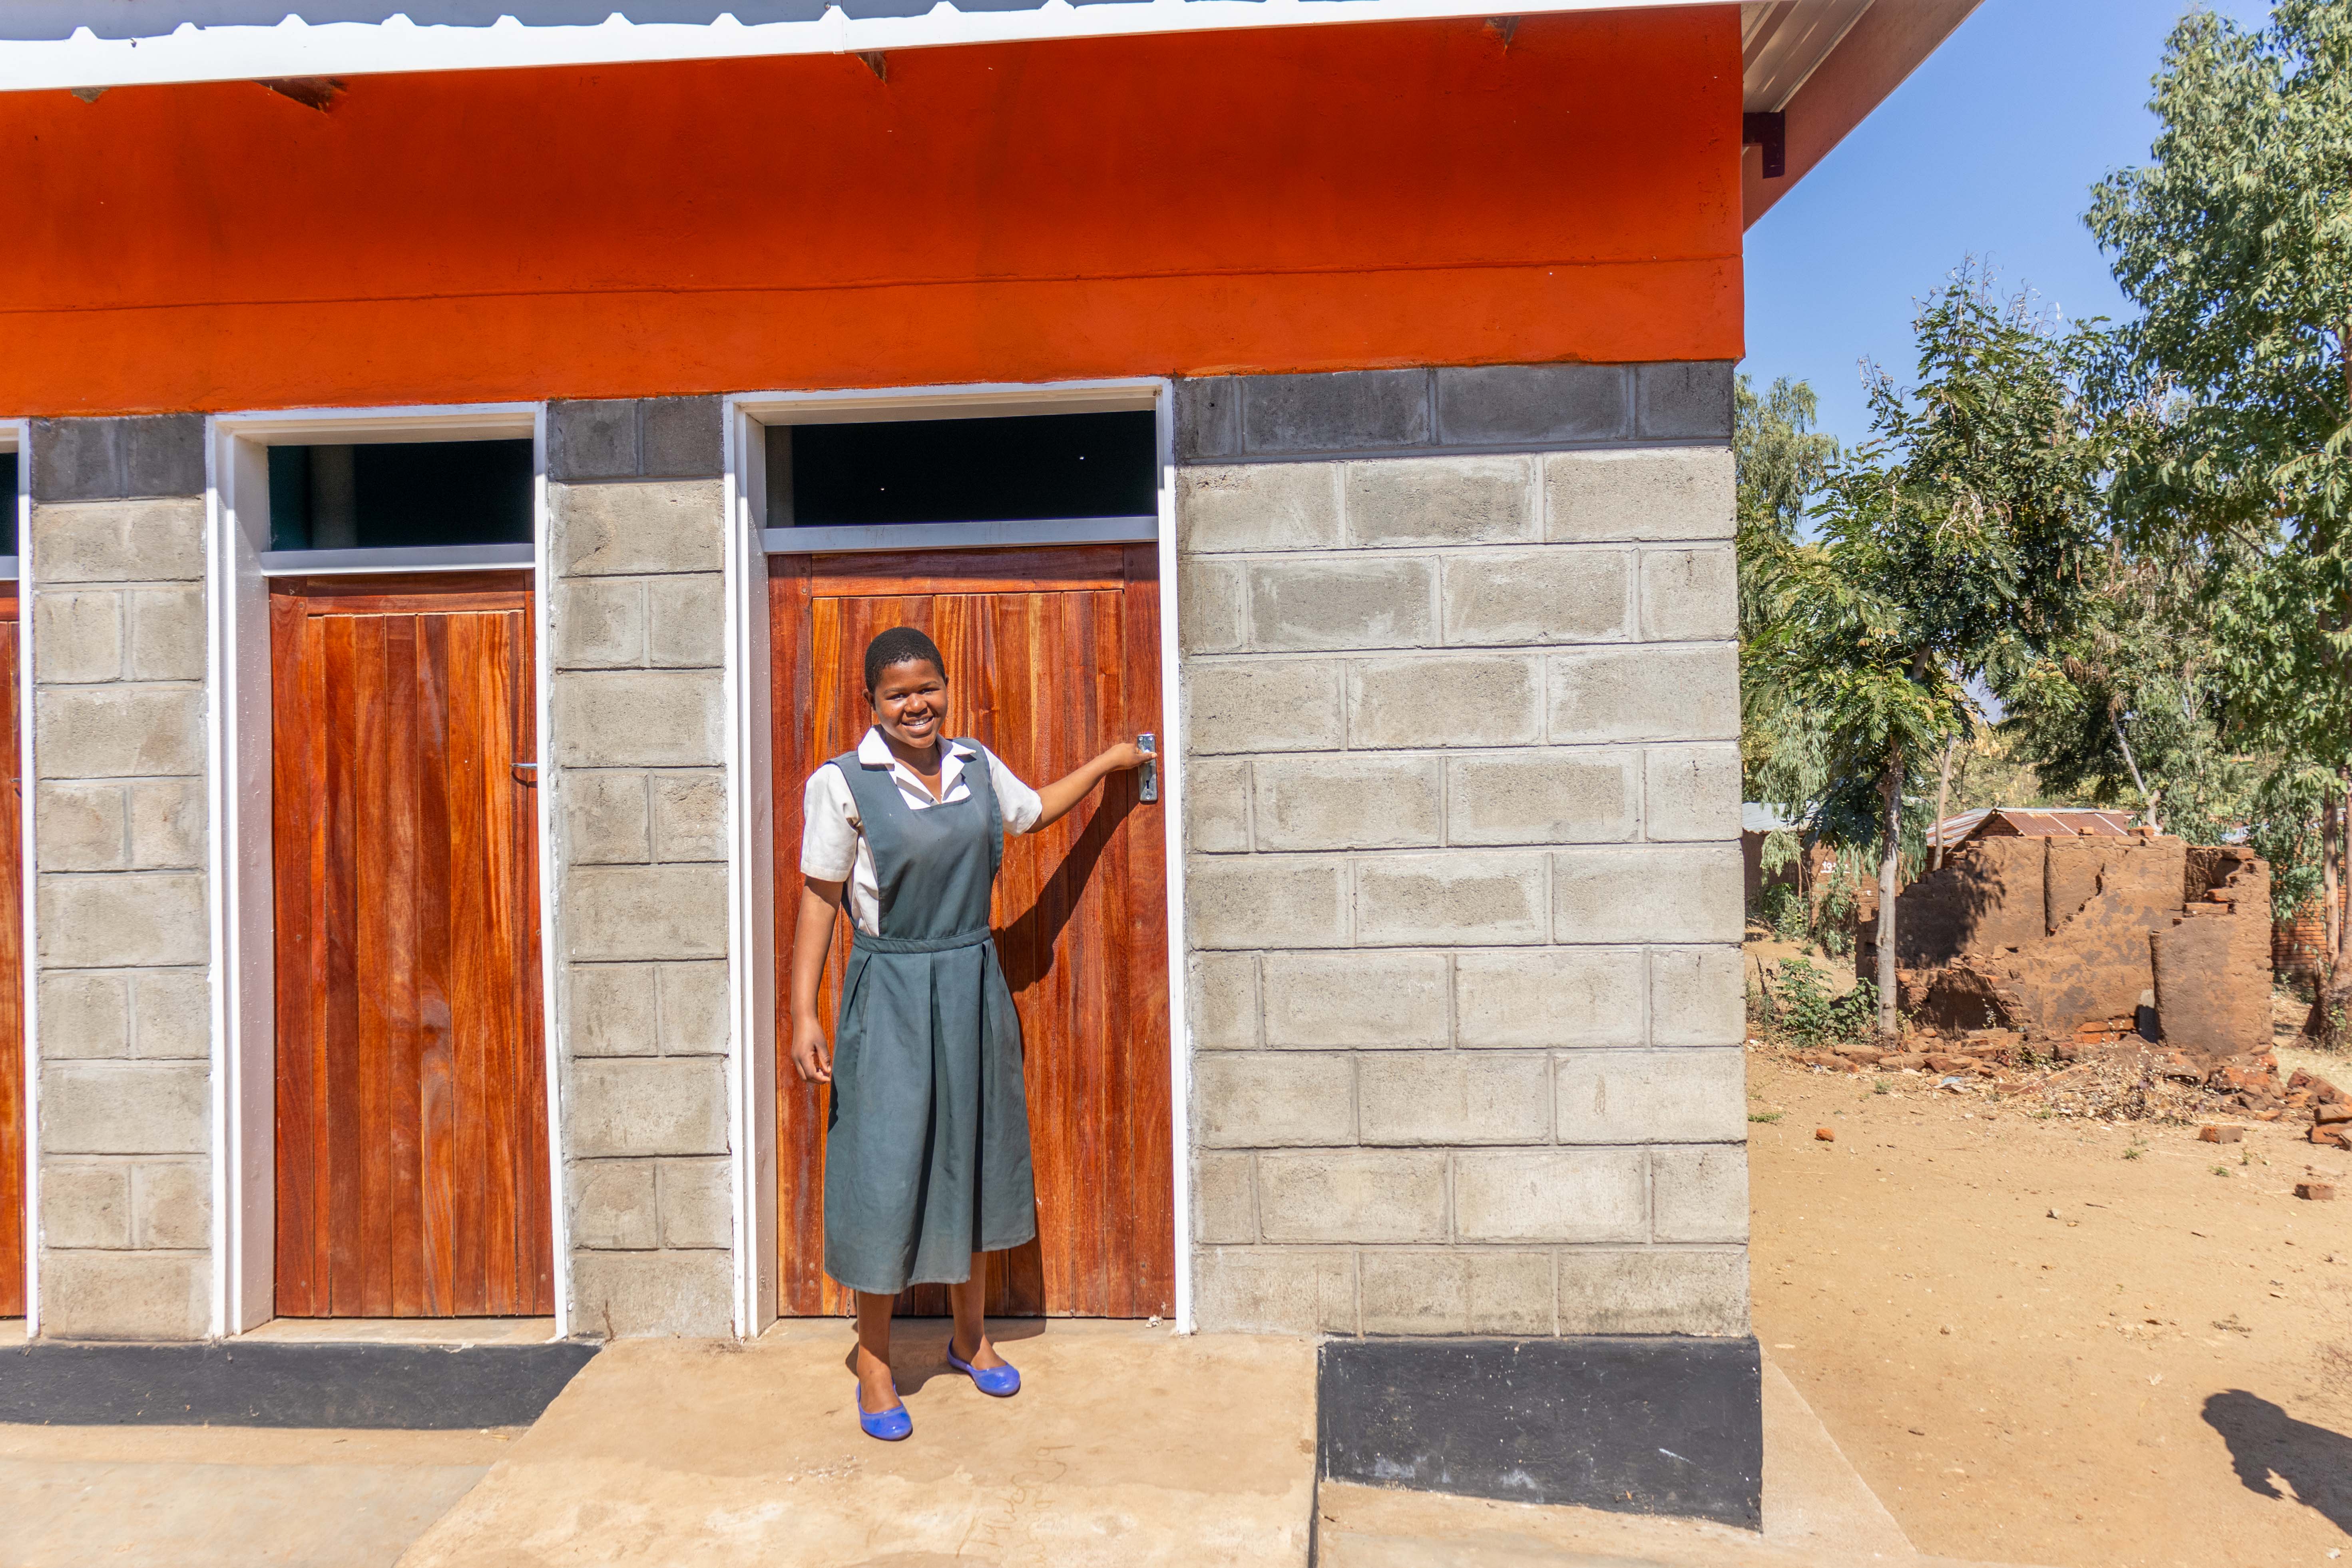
pixel 1125 757
pixel 810 1053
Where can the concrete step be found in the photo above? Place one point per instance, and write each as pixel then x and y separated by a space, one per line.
pixel 1127 1447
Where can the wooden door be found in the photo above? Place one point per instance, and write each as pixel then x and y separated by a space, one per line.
pixel 1052 654
pixel 411 1096
pixel 12 980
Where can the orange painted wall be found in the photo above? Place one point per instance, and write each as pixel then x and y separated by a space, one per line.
pixel 1313 198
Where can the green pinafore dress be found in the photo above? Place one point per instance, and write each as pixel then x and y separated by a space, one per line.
pixel 927 1146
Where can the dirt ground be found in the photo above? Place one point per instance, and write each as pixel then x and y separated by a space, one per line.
pixel 2162 1374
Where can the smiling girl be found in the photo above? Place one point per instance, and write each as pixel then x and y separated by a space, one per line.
pixel 927 1146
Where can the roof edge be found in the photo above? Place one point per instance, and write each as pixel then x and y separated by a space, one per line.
pixel 1877 55
pixel 294 48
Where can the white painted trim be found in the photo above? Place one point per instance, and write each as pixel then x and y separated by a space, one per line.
pixel 1173 785
pixel 404 558
pixel 16 436
pixel 552 1020
pixel 237 742
pixel 292 48
pixel 750 882
pixel 751 863
pixel 961 535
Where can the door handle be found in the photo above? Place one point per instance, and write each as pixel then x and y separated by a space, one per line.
pixel 1150 745
pixel 519 767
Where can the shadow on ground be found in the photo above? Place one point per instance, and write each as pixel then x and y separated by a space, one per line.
pixel 2267 1445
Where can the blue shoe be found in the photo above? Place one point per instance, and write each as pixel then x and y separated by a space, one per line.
pixel 1003 1382
pixel 893 1426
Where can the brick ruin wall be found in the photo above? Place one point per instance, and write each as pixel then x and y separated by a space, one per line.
pixel 2083 942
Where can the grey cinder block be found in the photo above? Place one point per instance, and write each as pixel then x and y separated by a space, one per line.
pixel 1558 1195
pixel 1686 399
pixel 592 438
pixel 1397 502
pixel 1700 1192
pixel 1535 405
pixel 1342 603
pixel 1660 492
pixel 1289 902
pixel 630 1106
pixel 1680 691
pixel 1352 1195
pixel 1454 1099
pixel 613 1206
pixel 1683 894
pixel 1555 594
pixel 631 1295
pixel 124 1295
pixel 117 542
pixel 642 527
pixel 1282 1290
pixel 1450 899
pixel 1549 996
pixel 679 437
pixel 124 1108
pixel 1346 803
pixel 1262 1100
pixel 1481 1290
pixel 1354 1000
pixel 1358 410
pixel 1542 797
pixel 1491 699
pixel 1264 506
pixel 1208 417
pixel 1652 1097
pixel 1269 705
pixel 1652 1291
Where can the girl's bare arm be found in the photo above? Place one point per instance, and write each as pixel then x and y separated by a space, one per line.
pixel 1066 792
pixel 811 939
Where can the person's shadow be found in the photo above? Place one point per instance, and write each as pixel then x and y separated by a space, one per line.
pixel 2265 1441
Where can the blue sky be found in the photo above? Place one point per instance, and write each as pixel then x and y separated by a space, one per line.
pixel 1989 150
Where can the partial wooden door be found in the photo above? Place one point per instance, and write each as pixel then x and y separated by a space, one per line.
pixel 12 978
pixel 411 1094
pixel 1052 654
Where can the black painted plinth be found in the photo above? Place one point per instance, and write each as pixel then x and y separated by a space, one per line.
pixel 412 1387
pixel 1638 1424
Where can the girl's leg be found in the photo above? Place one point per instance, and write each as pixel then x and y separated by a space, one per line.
pixel 969 1300
pixel 875 1391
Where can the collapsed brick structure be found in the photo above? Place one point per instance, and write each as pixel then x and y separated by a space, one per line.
pixel 2081 943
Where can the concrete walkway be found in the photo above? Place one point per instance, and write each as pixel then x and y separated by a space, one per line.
pixel 227 1497
pixel 1127 1447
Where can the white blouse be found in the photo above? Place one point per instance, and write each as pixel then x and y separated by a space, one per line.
pixel 832 841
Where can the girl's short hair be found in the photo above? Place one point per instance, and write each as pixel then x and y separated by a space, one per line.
pixel 899 645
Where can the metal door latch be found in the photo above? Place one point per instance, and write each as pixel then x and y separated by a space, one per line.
pixel 1151 744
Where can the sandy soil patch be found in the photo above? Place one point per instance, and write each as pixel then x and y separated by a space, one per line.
pixel 2162 1374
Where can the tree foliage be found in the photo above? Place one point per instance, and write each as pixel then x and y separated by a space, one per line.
pixel 2235 241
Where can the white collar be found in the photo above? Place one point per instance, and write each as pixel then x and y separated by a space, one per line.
pixel 874 752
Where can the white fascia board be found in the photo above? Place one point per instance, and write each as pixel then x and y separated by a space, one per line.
pixel 293 47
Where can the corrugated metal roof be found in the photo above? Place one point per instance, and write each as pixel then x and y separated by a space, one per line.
pixel 2038 821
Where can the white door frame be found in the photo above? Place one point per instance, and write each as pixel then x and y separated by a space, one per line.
pixel 241 891
pixel 751 892
pixel 16 436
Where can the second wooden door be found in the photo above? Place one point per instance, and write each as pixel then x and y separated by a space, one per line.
pixel 412 1098
pixel 1052 654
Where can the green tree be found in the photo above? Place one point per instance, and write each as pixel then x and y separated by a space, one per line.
pixel 2236 243
pixel 1952 543
pixel 2128 708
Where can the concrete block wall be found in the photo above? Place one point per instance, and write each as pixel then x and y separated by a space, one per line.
pixel 1463 868
pixel 635 606
pixel 116 633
